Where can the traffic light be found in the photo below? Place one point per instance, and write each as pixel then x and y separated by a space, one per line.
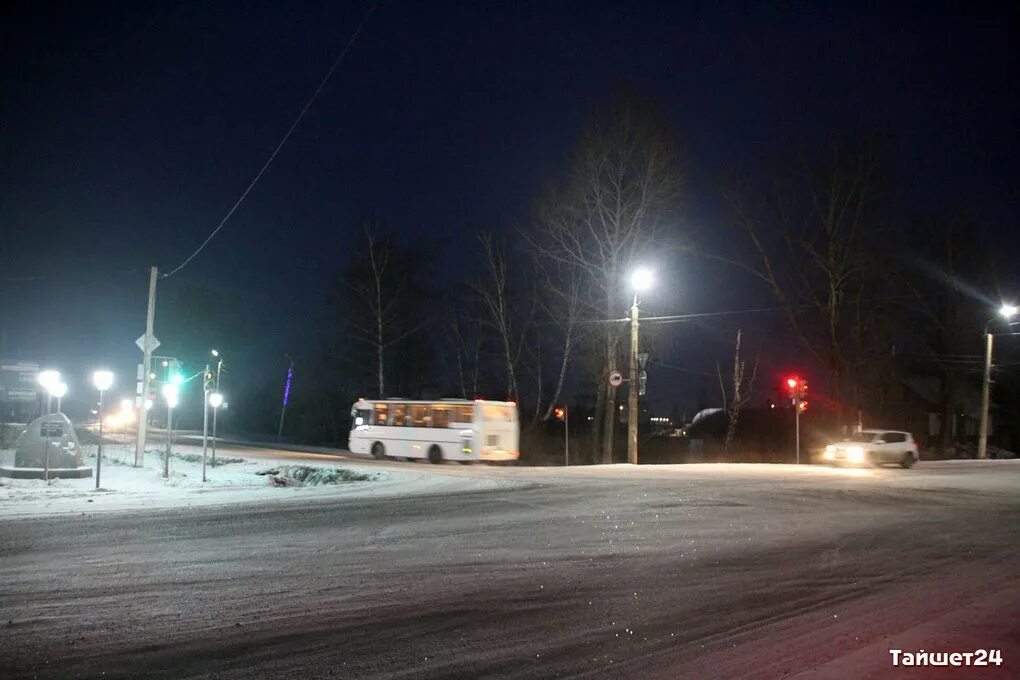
pixel 802 391
pixel 559 413
pixel 802 406
pixel 210 381
pixel 791 384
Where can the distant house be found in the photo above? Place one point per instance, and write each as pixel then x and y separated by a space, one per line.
pixel 915 403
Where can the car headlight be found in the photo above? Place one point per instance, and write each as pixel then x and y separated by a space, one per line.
pixel 830 452
pixel 855 454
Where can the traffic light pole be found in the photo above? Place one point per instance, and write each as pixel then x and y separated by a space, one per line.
pixel 796 411
pixel 566 436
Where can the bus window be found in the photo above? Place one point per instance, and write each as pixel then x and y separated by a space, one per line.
pixel 499 413
pixel 399 416
pixel 381 413
pixel 440 415
pixel 420 415
pixel 463 414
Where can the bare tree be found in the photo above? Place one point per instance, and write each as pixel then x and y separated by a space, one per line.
pixel 742 389
pixel 376 313
pixel 502 310
pixel 808 232
pixel 622 189
pixel 564 309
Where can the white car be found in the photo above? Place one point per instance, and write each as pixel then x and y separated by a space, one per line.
pixel 874 447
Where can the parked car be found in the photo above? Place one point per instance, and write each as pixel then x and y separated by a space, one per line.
pixel 874 447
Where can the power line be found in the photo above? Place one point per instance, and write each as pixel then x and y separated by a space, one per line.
pixel 272 156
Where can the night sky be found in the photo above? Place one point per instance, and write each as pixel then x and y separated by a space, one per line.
pixel 127 130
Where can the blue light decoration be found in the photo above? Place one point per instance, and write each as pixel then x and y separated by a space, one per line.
pixel 286 385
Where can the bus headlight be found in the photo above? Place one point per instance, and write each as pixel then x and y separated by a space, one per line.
pixel 855 454
pixel 830 452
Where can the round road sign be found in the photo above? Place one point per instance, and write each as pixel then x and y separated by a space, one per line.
pixel 615 379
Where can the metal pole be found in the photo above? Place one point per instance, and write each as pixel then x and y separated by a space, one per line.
pixel 46 473
pixel 99 451
pixel 632 418
pixel 985 397
pixel 219 365
pixel 566 436
pixel 796 411
pixel 49 403
pixel 59 399
pixel 150 315
pixel 169 439
pixel 205 420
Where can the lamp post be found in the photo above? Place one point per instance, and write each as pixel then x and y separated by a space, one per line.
pixel 103 380
pixel 59 390
pixel 215 401
pixel 219 401
pixel 171 392
pixel 640 281
pixel 1007 312
pixel 49 379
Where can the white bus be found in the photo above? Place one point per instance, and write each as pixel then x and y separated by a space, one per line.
pixel 450 429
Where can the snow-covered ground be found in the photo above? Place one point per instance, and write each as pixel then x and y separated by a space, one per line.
pixel 235 479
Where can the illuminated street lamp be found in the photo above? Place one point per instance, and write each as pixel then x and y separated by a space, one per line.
pixel 103 380
pixel 641 279
pixel 1006 311
pixel 58 391
pixel 216 407
pixel 49 379
pixel 171 392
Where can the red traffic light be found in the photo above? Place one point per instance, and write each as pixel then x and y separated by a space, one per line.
pixel 802 405
pixel 791 383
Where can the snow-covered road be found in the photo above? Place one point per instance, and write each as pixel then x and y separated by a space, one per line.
pixel 698 571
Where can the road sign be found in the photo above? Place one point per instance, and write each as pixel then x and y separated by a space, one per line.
pixel 152 345
pixel 615 379
pixel 19 381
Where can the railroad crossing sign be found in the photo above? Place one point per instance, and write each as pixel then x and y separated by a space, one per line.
pixel 615 379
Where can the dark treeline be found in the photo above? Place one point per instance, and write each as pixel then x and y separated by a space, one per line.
pixel 882 301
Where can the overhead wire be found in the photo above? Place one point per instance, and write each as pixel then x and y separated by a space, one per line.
pixel 276 151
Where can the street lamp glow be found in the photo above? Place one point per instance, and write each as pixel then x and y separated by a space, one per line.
pixel 103 380
pixel 127 405
pixel 215 399
pixel 171 392
pixel 59 390
pixel 1008 310
pixel 641 279
pixel 49 379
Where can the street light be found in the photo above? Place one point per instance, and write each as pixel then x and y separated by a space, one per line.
pixel 49 379
pixel 216 407
pixel 103 380
pixel 641 279
pixel 1006 311
pixel 171 392
pixel 58 391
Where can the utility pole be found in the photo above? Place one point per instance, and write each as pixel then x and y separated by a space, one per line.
pixel 147 348
pixel 985 396
pixel 632 416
